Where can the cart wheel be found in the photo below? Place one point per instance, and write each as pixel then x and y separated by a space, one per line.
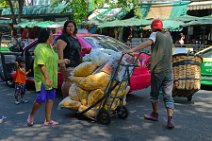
pixel 122 112
pixel 189 98
pixel 103 117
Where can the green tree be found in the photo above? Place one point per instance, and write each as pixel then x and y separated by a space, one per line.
pixel 80 8
pixel 13 5
pixel 3 4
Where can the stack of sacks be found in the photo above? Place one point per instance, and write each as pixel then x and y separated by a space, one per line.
pixel 98 56
pixel 89 84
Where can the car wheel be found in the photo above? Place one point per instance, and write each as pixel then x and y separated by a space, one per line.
pixel 10 83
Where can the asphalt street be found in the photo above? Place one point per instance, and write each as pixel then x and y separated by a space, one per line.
pixel 193 121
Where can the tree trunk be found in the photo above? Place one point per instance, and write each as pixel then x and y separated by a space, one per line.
pixel 20 7
pixel 12 12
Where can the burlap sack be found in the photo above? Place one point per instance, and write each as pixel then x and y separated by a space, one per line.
pixel 84 69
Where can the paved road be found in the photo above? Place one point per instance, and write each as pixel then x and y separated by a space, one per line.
pixel 194 121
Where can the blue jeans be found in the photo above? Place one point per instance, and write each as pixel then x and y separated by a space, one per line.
pixel 162 81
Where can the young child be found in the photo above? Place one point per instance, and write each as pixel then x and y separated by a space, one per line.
pixel 20 81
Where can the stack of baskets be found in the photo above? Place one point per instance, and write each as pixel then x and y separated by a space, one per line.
pixel 186 70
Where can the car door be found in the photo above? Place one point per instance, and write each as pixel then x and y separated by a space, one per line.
pixel 206 67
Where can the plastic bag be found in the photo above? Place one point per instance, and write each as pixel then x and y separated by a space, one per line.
pixel 122 70
pixel 98 57
pixel 95 81
pixel 73 93
pixel 69 103
pixel 84 69
pixel 86 58
pixel 94 96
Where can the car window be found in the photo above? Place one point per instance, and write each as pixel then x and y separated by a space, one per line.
pixel 207 54
pixel 105 42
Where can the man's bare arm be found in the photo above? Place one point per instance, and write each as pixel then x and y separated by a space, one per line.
pixel 141 46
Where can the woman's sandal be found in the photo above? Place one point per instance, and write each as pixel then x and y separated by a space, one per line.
pixel 30 121
pixel 51 123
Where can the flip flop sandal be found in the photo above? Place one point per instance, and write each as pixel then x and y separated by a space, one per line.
pixel 51 123
pixel 29 121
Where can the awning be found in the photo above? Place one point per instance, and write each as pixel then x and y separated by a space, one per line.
pixel 185 18
pixel 33 23
pixel 170 25
pixel 200 5
pixel 199 22
pixel 125 23
pixel 57 25
pixel 37 10
pixel 9 20
pixel 163 11
pixel 5 21
pixel 28 24
pixel 107 14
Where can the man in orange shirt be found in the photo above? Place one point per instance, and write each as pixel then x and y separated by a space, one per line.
pixel 20 80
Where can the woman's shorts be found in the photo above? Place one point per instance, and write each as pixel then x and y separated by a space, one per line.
pixel 44 95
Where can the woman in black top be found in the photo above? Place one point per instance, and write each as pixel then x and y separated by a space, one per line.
pixel 68 47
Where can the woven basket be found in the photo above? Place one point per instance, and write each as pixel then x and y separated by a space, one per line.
pixel 186 70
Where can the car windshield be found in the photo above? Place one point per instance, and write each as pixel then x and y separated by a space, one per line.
pixel 207 54
pixel 105 42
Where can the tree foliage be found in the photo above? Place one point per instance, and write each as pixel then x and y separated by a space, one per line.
pixel 4 4
pixel 13 5
pixel 80 8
